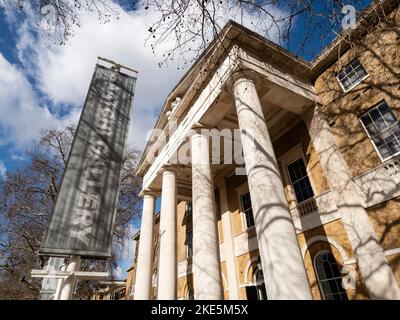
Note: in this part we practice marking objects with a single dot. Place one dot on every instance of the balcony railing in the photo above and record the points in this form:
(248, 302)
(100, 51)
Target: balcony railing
(251, 232)
(393, 168)
(307, 207)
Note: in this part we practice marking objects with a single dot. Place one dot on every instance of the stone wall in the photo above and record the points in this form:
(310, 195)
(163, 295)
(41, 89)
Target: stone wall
(379, 53)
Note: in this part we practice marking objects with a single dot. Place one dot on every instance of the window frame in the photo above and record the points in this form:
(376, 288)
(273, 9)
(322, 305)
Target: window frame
(188, 293)
(246, 227)
(371, 138)
(317, 275)
(288, 158)
(190, 231)
(355, 84)
(291, 183)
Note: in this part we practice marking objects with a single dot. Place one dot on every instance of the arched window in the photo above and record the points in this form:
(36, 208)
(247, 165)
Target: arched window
(190, 293)
(329, 276)
(257, 291)
(258, 278)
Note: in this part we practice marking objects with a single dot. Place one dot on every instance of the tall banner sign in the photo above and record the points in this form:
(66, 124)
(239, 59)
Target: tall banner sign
(84, 212)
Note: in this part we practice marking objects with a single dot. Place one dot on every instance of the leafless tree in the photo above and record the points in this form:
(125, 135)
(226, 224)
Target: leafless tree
(185, 28)
(57, 18)
(304, 27)
(27, 196)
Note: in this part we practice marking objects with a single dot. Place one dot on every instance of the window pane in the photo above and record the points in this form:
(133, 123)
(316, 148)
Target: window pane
(341, 75)
(329, 277)
(328, 270)
(387, 114)
(249, 218)
(353, 77)
(349, 69)
(384, 129)
(378, 120)
(355, 63)
(326, 290)
(361, 73)
(366, 120)
(394, 146)
(300, 181)
(384, 151)
(372, 130)
(251, 293)
(246, 201)
(369, 124)
(352, 74)
(247, 209)
(346, 83)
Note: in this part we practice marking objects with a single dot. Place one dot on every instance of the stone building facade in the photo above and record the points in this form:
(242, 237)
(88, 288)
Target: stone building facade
(312, 210)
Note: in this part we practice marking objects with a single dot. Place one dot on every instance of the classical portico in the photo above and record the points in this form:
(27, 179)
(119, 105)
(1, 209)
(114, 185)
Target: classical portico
(232, 90)
(230, 101)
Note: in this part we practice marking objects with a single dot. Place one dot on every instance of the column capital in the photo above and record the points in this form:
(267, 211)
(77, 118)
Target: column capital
(198, 127)
(242, 75)
(147, 192)
(168, 168)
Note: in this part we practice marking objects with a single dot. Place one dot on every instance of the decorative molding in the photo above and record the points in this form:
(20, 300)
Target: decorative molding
(326, 212)
(246, 271)
(379, 184)
(328, 239)
(197, 110)
(393, 169)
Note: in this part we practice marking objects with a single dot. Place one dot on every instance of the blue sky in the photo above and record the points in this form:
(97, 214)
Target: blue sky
(43, 85)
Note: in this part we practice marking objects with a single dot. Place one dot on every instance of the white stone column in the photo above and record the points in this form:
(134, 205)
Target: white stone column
(69, 284)
(282, 262)
(206, 261)
(144, 269)
(376, 272)
(229, 241)
(167, 266)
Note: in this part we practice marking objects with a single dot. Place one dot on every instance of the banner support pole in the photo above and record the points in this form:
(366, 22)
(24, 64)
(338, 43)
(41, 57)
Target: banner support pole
(60, 284)
(68, 285)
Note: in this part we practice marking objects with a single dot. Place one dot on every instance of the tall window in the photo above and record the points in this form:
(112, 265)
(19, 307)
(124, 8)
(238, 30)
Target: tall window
(329, 277)
(189, 243)
(190, 293)
(188, 210)
(300, 181)
(383, 129)
(352, 75)
(247, 209)
(260, 285)
(257, 291)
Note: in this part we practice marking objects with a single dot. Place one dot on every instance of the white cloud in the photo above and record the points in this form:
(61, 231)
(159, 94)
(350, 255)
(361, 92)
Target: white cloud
(17, 157)
(21, 116)
(3, 169)
(63, 73)
(126, 253)
(129, 245)
(118, 273)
